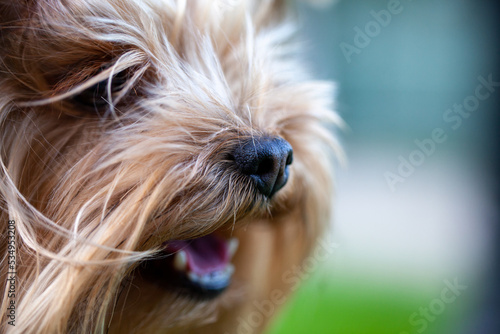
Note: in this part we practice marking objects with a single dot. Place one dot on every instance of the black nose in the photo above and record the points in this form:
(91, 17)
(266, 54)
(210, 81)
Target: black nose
(266, 161)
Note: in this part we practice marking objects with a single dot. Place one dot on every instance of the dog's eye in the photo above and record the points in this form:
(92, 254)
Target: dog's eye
(97, 96)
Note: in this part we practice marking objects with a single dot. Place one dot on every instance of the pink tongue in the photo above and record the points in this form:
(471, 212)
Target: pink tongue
(204, 255)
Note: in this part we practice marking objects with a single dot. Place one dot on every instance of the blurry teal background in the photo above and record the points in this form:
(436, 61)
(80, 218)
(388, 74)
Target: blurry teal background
(399, 249)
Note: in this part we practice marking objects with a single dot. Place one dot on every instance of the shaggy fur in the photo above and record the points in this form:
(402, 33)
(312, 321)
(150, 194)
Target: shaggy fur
(117, 118)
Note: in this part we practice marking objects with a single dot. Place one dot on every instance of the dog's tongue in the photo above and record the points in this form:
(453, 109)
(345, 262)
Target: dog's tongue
(204, 255)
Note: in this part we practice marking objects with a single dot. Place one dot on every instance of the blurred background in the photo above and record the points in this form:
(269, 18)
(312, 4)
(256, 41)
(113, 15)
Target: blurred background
(417, 204)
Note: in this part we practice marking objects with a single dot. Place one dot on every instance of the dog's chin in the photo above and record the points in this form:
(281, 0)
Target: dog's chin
(198, 268)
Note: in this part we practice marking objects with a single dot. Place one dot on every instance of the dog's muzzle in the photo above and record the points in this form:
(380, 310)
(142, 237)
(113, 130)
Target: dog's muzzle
(202, 266)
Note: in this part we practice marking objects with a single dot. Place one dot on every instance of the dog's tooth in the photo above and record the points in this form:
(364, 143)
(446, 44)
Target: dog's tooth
(180, 261)
(193, 277)
(233, 246)
(206, 279)
(229, 270)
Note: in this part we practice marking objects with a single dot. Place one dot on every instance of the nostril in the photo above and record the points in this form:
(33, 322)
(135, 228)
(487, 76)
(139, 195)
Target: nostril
(289, 158)
(266, 161)
(265, 166)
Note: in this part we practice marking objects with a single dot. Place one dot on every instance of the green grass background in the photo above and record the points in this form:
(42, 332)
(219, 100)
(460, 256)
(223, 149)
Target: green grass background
(326, 304)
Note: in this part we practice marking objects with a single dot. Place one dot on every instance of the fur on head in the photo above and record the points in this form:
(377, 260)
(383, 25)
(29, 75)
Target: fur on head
(118, 123)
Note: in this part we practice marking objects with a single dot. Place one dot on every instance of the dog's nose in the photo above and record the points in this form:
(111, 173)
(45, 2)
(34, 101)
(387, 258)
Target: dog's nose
(266, 161)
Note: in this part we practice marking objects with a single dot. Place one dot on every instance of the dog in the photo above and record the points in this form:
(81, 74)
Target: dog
(163, 164)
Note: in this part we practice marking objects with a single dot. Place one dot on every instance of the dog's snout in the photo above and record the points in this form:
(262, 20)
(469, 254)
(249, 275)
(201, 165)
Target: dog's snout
(266, 161)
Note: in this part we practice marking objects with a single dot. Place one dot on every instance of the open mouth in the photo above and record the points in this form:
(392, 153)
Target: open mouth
(201, 267)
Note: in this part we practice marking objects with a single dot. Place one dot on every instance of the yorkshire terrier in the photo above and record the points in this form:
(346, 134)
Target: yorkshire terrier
(142, 141)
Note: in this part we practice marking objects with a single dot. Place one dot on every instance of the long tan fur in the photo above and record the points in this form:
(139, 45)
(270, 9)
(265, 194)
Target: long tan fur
(94, 193)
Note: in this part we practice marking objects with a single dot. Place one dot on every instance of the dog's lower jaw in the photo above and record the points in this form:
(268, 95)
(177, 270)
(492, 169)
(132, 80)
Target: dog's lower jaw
(260, 263)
